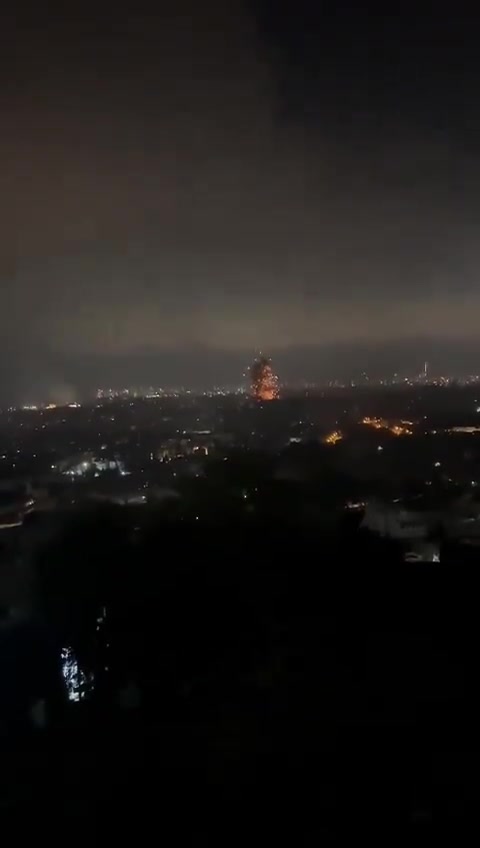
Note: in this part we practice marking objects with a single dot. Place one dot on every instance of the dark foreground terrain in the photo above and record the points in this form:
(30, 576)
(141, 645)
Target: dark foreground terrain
(251, 685)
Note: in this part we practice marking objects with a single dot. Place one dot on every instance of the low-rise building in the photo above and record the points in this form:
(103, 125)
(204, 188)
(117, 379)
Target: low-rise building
(399, 519)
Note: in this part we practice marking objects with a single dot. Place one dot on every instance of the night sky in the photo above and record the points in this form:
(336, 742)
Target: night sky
(233, 176)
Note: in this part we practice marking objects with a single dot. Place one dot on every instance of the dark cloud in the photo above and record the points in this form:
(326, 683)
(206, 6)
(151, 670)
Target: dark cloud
(236, 175)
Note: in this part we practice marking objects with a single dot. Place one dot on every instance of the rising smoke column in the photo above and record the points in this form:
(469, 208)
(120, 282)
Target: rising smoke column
(264, 383)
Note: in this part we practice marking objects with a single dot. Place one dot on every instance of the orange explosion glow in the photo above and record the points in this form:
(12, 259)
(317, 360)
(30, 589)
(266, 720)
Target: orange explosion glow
(264, 384)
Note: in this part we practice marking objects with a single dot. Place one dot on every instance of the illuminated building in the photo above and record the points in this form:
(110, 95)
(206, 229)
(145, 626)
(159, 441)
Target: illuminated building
(264, 383)
(83, 464)
(77, 683)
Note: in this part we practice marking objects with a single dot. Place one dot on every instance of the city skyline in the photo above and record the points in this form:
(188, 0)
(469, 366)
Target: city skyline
(203, 369)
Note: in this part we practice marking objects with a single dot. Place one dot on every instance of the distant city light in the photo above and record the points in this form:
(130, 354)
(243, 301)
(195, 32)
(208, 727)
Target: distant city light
(403, 428)
(333, 438)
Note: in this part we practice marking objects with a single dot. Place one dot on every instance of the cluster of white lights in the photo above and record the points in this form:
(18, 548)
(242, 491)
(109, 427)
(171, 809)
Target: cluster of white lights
(77, 683)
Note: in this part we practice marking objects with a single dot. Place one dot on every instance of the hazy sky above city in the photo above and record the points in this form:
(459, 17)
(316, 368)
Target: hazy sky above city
(236, 175)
